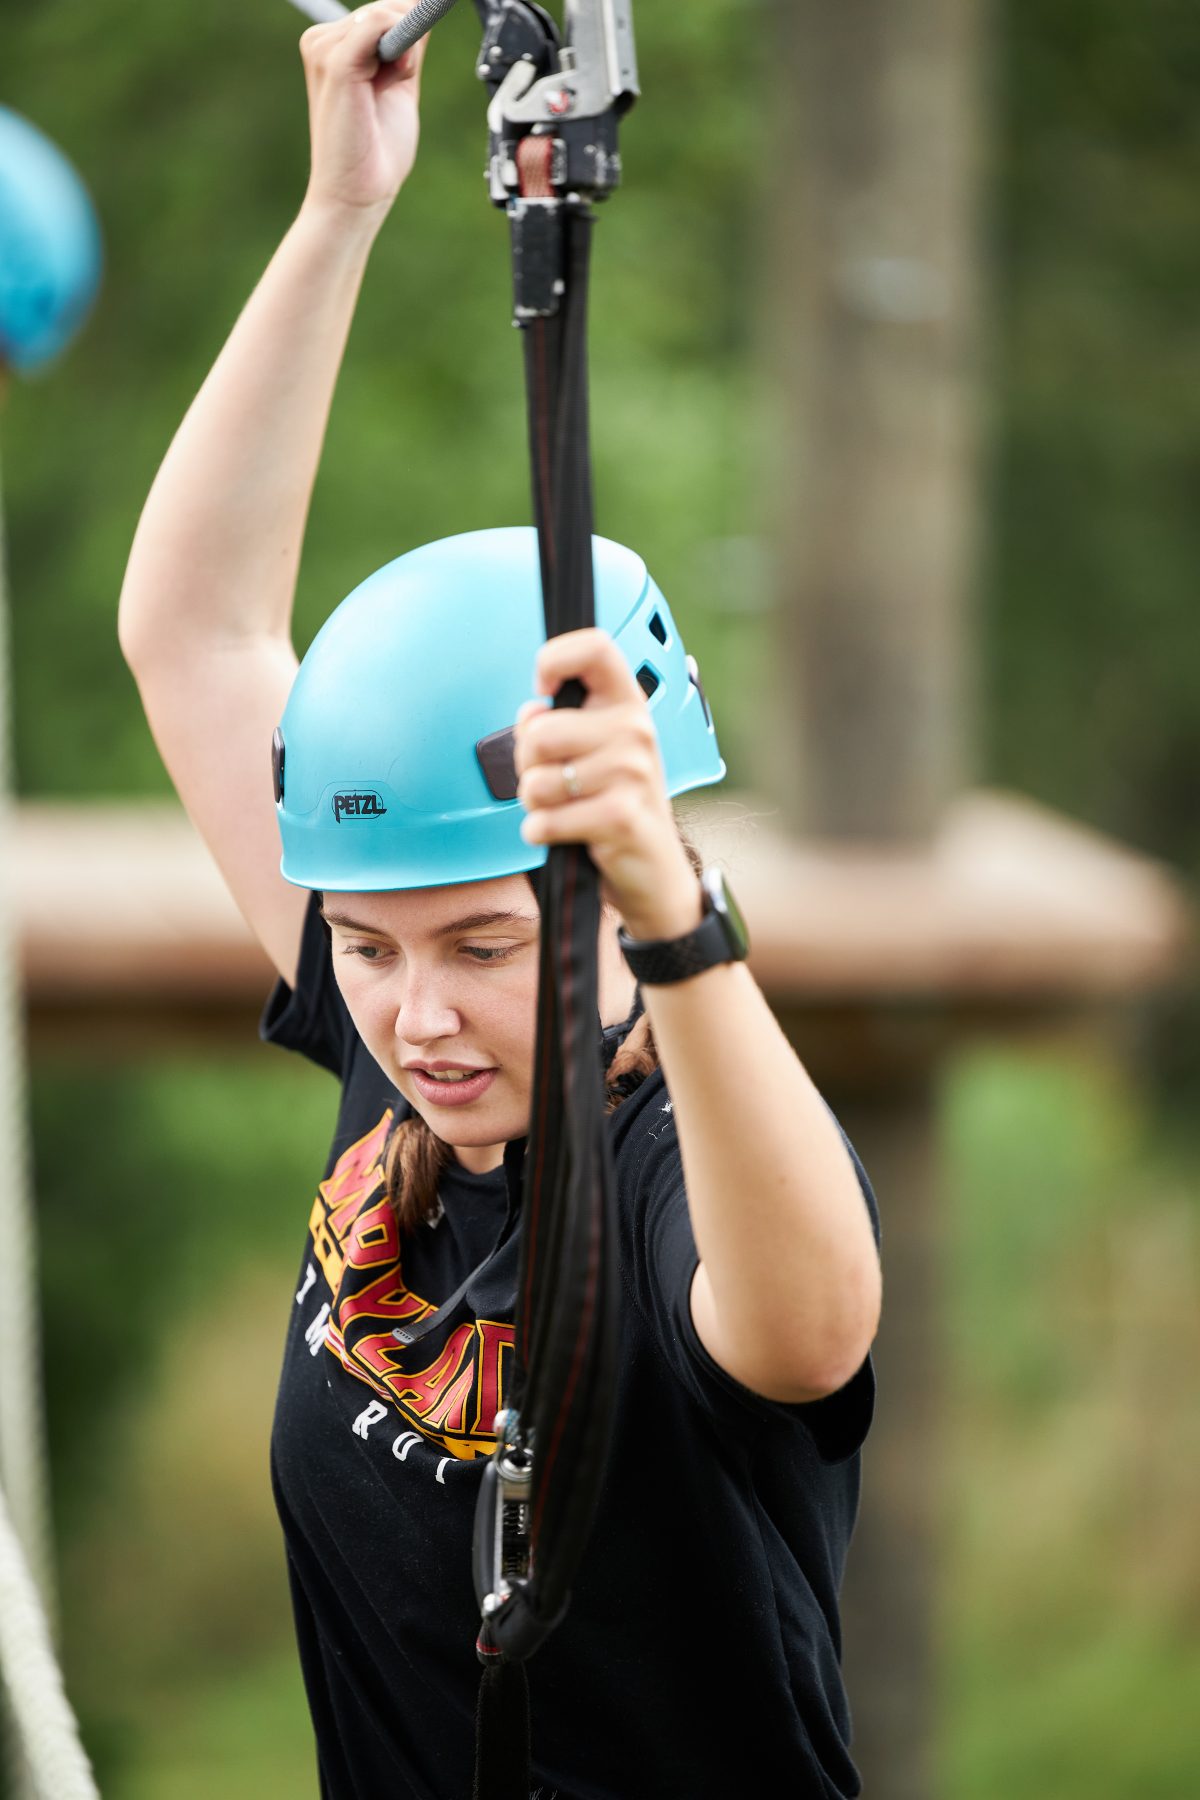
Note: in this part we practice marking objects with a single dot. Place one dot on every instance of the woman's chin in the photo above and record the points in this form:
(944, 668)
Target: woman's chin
(479, 1133)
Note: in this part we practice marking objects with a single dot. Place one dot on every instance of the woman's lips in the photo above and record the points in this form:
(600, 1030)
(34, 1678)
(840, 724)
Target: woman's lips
(452, 1093)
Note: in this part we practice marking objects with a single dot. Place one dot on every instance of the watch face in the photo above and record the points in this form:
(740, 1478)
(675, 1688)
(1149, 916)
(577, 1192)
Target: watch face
(722, 902)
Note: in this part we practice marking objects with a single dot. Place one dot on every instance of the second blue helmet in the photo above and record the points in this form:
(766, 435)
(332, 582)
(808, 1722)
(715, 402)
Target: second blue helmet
(49, 246)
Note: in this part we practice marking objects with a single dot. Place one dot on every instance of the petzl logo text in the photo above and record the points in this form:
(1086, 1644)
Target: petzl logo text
(357, 806)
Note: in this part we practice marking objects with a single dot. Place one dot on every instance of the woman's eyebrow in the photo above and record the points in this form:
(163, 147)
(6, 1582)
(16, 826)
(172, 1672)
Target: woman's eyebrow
(471, 922)
(349, 924)
(476, 921)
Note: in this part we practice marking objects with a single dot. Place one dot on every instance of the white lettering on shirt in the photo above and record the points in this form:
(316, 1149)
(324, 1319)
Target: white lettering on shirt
(310, 1276)
(441, 1476)
(370, 1415)
(404, 1444)
(314, 1337)
(665, 1118)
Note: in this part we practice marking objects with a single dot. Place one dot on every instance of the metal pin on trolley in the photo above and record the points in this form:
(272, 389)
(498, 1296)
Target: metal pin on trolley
(568, 96)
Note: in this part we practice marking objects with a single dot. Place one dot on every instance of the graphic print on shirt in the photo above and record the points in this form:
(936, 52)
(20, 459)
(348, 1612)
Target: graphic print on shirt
(451, 1401)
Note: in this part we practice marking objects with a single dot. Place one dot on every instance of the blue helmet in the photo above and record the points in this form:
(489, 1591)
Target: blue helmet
(393, 762)
(49, 246)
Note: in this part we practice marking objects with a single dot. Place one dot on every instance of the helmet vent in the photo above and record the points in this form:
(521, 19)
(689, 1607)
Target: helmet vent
(647, 680)
(657, 628)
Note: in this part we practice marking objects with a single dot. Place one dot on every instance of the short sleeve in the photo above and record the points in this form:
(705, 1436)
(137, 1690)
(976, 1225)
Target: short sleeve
(311, 1018)
(837, 1423)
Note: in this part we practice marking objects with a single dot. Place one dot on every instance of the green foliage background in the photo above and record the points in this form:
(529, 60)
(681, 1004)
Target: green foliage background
(1095, 533)
(173, 1199)
(197, 157)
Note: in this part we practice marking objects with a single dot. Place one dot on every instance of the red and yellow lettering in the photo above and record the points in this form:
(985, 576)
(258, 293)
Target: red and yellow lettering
(384, 1298)
(450, 1411)
(325, 1245)
(423, 1391)
(377, 1351)
(374, 1237)
(494, 1340)
(355, 1177)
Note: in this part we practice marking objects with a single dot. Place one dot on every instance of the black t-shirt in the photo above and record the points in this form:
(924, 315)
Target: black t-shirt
(699, 1656)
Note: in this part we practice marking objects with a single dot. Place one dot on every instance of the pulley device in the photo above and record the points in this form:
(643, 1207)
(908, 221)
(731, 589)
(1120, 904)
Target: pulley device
(556, 99)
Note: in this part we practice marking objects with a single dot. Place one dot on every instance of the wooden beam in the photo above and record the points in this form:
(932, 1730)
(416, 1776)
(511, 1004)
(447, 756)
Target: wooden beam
(1009, 906)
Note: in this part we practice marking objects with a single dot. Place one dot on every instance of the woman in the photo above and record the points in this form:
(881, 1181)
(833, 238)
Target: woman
(699, 1653)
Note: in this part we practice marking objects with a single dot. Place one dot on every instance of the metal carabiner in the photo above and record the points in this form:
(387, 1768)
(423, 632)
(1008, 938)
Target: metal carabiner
(500, 1550)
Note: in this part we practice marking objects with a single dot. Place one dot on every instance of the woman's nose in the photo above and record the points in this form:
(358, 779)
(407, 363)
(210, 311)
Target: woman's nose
(426, 1012)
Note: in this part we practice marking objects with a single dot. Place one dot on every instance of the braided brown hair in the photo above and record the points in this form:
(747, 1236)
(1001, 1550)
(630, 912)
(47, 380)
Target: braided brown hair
(414, 1157)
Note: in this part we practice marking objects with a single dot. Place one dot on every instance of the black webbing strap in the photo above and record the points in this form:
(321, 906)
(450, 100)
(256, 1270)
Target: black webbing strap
(566, 1319)
(502, 1759)
(565, 1324)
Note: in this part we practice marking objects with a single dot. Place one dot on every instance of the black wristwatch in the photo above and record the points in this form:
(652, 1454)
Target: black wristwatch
(720, 937)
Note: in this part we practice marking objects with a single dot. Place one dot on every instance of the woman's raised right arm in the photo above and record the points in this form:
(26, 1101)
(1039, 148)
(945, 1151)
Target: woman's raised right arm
(205, 613)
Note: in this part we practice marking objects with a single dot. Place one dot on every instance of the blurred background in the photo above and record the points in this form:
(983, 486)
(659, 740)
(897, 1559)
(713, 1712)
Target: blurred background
(1061, 1601)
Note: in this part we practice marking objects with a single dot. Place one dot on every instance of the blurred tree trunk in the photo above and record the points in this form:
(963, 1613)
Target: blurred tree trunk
(872, 313)
(871, 354)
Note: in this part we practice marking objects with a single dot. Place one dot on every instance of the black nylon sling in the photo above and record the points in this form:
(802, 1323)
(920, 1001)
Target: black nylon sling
(566, 1318)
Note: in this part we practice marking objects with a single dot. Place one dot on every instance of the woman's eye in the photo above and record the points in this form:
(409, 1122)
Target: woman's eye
(365, 952)
(490, 953)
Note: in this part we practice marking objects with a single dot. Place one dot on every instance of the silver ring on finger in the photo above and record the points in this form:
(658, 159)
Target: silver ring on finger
(570, 775)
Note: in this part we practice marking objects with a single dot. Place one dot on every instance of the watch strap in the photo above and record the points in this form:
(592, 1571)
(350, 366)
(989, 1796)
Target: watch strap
(658, 962)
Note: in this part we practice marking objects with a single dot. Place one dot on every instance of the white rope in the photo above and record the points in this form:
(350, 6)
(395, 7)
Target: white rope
(22, 1440)
(57, 1763)
(53, 1758)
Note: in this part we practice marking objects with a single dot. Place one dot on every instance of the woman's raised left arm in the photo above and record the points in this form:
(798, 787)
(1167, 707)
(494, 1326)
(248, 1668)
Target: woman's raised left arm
(787, 1294)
